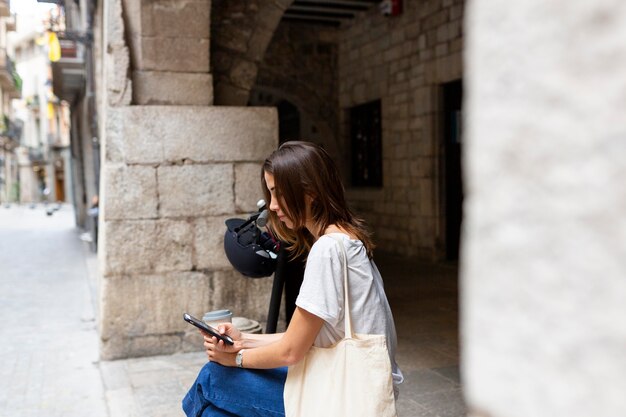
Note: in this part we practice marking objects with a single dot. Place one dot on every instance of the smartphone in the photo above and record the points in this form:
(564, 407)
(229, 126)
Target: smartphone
(207, 329)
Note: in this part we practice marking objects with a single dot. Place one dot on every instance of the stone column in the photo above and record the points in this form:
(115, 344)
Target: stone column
(544, 244)
(171, 175)
(169, 45)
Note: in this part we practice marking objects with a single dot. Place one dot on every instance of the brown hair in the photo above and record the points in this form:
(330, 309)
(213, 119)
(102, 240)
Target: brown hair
(303, 169)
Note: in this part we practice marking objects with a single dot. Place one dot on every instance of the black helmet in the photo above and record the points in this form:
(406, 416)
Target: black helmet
(250, 251)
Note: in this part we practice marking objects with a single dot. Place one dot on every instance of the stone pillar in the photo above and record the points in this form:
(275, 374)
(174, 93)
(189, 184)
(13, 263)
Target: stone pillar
(169, 44)
(171, 175)
(544, 244)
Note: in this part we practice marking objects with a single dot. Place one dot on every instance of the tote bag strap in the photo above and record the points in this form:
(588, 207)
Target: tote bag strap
(347, 319)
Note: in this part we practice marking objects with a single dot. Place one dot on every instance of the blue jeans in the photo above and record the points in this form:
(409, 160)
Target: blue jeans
(221, 391)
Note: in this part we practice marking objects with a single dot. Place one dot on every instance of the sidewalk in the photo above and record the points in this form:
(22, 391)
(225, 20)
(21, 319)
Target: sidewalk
(49, 363)
(49, 350)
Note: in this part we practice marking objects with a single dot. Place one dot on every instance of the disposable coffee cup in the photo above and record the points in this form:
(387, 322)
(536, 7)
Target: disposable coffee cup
(213, 318)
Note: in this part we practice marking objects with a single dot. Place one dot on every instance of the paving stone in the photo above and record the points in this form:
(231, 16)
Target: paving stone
(451, 372)
(448, 403)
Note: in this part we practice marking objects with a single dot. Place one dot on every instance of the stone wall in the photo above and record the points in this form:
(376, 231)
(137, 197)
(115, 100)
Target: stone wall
(403, 61)
(169, 51)
(241, 32)
(544, 256)
(171, 175)
(300, 66)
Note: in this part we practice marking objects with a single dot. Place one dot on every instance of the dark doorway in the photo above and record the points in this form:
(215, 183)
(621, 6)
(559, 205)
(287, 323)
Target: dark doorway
(288, 121)
(452, 136)
(367, 149)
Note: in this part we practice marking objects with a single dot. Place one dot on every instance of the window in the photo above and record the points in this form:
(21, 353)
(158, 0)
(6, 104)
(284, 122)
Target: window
(366, 140)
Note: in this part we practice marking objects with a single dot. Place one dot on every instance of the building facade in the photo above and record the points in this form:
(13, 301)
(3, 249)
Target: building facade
(45, 167)
(10, 131)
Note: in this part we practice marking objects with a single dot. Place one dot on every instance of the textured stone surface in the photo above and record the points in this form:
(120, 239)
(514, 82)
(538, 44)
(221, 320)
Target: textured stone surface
(209, 243)
(151, 310)
(169, 35)
(172, 88)
(117, 58)
(300, 67)
(133, 246)
(404, 65)
(241, 33)
(154, 134)
(195, 190)
(247, 186)
(245, 297)
(156, 53)
(176, 18)
(544, 245)
(131, 192)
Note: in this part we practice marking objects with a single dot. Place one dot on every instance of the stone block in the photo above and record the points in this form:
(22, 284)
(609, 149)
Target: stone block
(243, 73)
(192, 341)
(248, 188)
(119, 87)
(139, 141)
(175, 88)
(247, 297)
(130, 191)
(195, 190)
(427, 198)
(146, 246)
(158, 53)
(257, 45)
(209, 243)
(176, 18)
(424, 100)
(227, 94)
(151, 345)
(151, 304)
(153, 134)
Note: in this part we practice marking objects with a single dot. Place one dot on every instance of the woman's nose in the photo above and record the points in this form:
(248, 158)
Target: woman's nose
(273, 204)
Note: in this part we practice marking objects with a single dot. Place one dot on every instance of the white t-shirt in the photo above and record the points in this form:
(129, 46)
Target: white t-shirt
(322, 294)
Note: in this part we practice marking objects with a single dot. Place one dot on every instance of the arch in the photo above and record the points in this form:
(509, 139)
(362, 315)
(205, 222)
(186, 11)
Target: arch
(262, 95)
(240, 34)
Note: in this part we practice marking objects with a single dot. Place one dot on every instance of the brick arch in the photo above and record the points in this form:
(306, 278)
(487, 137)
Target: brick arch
(240, 34)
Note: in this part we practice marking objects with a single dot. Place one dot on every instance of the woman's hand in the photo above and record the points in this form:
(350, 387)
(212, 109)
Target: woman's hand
(220, 352)
(229, 330)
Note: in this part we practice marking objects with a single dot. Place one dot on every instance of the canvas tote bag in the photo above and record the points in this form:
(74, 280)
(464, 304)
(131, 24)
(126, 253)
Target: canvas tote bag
(349, 379)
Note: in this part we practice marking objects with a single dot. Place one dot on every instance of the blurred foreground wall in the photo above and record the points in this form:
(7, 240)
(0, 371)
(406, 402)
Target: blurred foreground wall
(544, 244)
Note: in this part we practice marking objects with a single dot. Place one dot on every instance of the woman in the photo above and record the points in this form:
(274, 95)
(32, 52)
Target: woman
(307, 205)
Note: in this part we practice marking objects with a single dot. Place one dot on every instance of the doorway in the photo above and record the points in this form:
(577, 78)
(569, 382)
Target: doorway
(453, 186)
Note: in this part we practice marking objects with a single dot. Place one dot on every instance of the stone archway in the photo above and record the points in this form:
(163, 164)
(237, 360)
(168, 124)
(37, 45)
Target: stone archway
(240, 33)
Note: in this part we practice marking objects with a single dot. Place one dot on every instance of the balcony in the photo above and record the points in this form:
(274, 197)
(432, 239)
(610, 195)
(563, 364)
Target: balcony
(57, 141)
(68, 73)
(10, 81)
(10, 133)
(36, 155)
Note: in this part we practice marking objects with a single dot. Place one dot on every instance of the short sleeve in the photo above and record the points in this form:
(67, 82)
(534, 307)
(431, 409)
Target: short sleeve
(321, 292)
